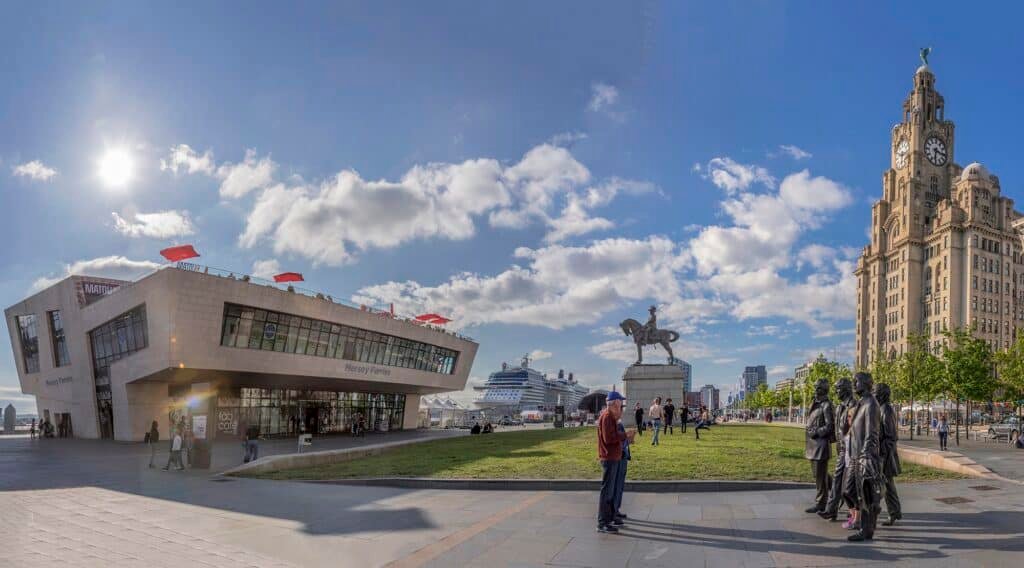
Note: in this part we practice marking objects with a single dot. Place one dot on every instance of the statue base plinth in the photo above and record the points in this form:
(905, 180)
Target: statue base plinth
(642, 383)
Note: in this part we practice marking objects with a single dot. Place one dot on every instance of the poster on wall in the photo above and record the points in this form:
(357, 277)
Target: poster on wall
(88, 290)
(199, 427)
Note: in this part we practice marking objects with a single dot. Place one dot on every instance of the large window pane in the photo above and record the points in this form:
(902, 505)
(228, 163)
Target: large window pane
(28, 329)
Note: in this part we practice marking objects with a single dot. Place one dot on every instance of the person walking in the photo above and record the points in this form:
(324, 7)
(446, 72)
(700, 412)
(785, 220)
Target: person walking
(620, 480)
(609, 452)
(638, 419)
(175, 457)
(654, 413)
(670, 413)
(703, 421)
(32, 430)
(252, 445)
(152, 437)
(684, 416)
(887, 437)
(943, 429)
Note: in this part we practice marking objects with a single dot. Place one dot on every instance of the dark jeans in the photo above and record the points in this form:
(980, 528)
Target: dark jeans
(252, 451)
(682, 425)
(606, 501)
(620, 484)
(700, 425)
(821, 482)
(943, 438)
(668, 427)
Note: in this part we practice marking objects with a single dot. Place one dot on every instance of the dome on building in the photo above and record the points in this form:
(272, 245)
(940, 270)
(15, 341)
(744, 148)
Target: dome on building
(974, 171)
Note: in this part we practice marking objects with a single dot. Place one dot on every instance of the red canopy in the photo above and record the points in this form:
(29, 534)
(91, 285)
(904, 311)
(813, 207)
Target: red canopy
(432, 318)
(182, 252)
(288, 277)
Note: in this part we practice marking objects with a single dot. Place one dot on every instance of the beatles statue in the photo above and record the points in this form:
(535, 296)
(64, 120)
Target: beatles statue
(844, 390)
(819, 432)
(890, 458)
(649, 334)
(864, 469)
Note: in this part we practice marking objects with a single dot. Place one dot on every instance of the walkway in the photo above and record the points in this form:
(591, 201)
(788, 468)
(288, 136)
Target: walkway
(998, 456)
(86, 504)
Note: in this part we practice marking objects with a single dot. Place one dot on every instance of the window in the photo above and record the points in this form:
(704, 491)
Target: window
(258, 329)
(60, 346)
(112, 341)
(28, 330)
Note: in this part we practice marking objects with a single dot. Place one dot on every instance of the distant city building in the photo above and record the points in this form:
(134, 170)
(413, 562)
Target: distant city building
(784, 384)
(10, 419)
(754, 376)
(687, 373)
(693, 399)
(709, 397)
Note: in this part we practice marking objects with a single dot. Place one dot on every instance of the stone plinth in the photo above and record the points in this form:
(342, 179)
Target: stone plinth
(641, 383)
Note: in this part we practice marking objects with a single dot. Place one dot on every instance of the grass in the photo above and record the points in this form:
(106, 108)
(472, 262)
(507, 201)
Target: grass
(752, 452)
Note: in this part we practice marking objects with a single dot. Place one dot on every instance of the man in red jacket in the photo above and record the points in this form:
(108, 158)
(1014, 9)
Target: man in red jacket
(609, 451)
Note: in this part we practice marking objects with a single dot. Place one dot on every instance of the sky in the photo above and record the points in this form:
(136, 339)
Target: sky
(536, 171)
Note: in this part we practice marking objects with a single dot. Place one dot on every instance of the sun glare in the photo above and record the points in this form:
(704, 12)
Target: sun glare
(116, 167)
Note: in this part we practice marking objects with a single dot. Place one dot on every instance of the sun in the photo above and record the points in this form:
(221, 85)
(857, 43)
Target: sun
(116, 167)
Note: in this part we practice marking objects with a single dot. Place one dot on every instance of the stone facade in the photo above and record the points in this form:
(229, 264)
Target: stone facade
(945, 250)
(184, 323)
(642, 383)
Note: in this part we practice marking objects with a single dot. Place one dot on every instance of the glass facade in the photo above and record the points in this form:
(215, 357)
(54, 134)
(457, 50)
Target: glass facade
(253, 328)
(286, 412)
(28, 329)
(111, 341)
(60, 346)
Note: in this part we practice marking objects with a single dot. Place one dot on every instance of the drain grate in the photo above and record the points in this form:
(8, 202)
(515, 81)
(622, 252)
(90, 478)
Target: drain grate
(953, 500)
(984, 488)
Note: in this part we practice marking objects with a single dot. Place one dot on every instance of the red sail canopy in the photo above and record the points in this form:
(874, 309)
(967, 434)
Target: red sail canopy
(288, 277)
(182, 252)
(432, 318)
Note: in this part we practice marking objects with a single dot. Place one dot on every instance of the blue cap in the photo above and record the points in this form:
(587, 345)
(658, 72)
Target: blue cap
(615, 395)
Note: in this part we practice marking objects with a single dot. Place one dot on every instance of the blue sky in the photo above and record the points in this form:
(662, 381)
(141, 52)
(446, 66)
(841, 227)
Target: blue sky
(539, 171)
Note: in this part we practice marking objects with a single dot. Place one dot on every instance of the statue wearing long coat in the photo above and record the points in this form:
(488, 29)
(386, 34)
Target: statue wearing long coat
(866, 461)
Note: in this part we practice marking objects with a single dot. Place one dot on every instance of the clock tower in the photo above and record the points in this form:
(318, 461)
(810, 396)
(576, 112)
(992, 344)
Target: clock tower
(945, 250)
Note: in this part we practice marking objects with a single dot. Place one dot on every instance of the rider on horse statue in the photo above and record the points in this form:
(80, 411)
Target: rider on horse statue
(651, 326)
(649, 334)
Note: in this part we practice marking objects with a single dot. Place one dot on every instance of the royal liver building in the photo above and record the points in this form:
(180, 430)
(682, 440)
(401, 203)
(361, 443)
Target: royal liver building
(944, 249)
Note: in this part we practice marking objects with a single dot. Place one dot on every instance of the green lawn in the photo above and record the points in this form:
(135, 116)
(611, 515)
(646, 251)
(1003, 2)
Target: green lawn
(726, 452)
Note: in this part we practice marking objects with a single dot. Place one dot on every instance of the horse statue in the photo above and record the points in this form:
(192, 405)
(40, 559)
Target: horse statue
(642, 336)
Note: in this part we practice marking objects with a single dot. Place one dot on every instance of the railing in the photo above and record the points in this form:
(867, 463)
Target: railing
(384, 312)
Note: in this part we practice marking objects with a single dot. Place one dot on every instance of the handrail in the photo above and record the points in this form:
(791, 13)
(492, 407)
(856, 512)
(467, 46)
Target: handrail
(287, 287)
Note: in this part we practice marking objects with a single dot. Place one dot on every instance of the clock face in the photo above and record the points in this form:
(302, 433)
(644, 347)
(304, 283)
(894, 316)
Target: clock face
(901, 153)
(935, 151)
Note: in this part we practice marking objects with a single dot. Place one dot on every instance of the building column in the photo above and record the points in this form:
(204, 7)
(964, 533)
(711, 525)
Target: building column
(411, 417)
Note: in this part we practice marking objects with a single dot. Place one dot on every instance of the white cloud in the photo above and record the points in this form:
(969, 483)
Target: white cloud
(34, 170)
(769, 330)
(266, 269)
(602, 96)
(158, 225)
(184, 158)
(724, 360)
(795, 152)
(816, 255)
(834, 332)
(539, 355)
(732, 176)
(559, 287)
(624, 350)
(117, 267)
(245, 176)
(567, 138)
(779, 370)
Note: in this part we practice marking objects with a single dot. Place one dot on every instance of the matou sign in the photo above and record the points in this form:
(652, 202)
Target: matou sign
(89, 290)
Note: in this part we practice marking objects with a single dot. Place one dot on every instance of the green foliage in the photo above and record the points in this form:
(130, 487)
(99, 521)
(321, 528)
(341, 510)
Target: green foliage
(822, 368)
(918, 371)
(967, 364)
(1010, 364)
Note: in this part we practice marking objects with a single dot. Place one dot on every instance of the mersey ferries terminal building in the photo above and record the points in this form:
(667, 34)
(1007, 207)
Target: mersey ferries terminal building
(104, 358)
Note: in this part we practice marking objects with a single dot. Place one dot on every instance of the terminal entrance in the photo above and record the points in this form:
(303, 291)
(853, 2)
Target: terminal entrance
(279, 412)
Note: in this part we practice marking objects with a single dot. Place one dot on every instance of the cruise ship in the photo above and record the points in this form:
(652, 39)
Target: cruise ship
(514, 390)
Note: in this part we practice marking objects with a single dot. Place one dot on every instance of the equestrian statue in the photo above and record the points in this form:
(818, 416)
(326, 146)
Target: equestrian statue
(649, 334)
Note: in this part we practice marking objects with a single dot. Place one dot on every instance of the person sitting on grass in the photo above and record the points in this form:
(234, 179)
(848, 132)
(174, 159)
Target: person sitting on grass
(488, 428)
(475, 429)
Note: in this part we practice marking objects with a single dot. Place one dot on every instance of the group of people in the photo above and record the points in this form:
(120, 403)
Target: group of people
(660, 418)
(180, 444)
(45, 429)
(477, 429)
(864, 431)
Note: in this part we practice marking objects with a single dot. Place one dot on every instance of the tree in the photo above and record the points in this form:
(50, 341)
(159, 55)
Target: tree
(1010, 364)
(917, 374)
(967, 362)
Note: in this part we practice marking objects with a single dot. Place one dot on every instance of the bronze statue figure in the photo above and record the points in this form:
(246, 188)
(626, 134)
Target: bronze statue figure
(649, 334)
(864, 467)
(888, 437)
(844, 390)
(819, 431)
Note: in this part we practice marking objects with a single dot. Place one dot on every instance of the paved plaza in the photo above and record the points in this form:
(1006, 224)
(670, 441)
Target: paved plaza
(85, 503)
